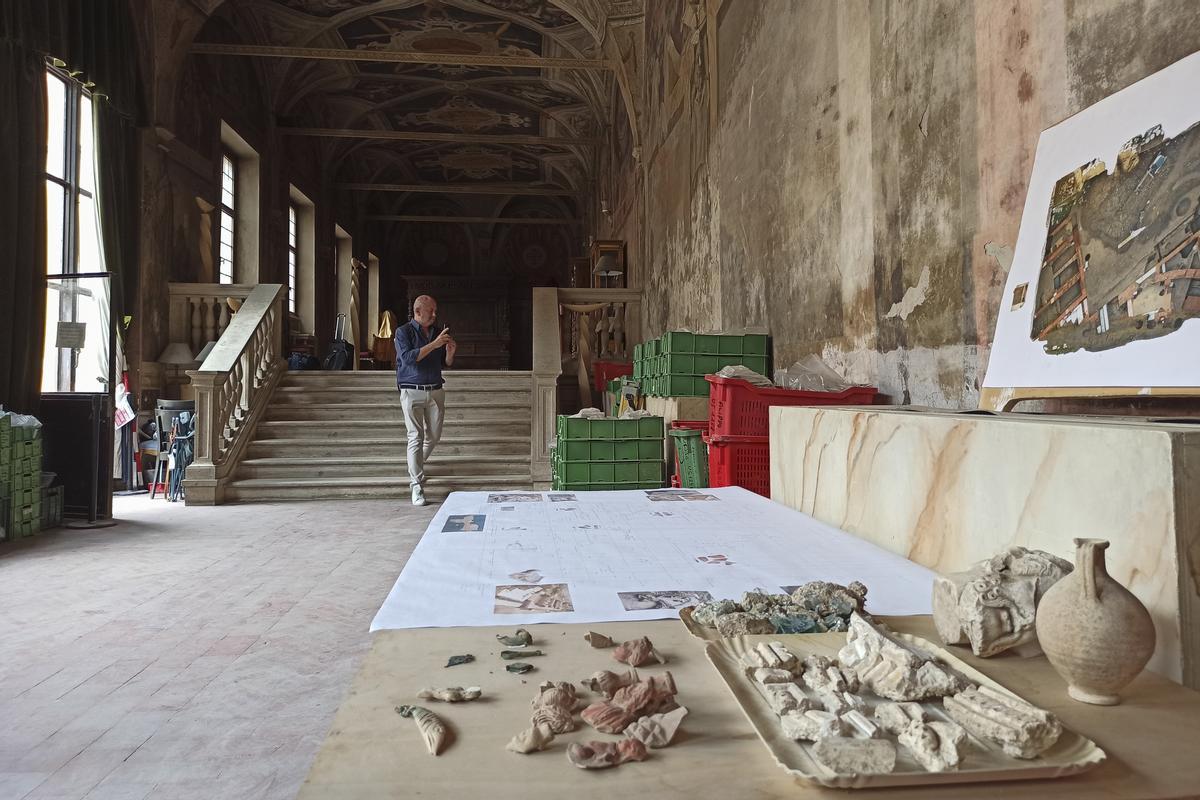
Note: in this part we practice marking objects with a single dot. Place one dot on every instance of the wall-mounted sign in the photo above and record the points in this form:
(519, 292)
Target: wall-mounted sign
(71, 335)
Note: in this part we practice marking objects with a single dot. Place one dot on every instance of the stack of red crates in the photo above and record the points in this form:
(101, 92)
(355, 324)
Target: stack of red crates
(739, 451)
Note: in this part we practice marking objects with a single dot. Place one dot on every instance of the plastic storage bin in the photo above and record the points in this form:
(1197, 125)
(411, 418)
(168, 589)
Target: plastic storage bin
(739, 408)
(740, 461)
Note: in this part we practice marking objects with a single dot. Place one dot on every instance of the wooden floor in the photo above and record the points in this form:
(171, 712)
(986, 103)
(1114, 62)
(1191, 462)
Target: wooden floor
(188, 652)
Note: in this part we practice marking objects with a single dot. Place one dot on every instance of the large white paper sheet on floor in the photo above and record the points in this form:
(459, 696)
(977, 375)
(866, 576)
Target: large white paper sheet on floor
(611, 550)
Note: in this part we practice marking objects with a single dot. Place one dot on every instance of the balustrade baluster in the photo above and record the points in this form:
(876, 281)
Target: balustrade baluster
(194, 327)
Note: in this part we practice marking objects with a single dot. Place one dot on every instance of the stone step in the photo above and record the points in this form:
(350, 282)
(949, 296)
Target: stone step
(454, 379)
(392, 411)
(394, 445)
(359, 429)
(394, 467)
(306, 395)
(436, 488)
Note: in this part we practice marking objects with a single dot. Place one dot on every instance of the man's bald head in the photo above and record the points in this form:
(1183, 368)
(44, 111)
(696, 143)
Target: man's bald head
(425, 310)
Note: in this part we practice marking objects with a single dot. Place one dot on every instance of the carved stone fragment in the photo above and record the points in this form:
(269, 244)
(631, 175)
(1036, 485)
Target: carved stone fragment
(822, 675)
(860, 724)
(774, 655)
(739, 623)
(847, 756)
(892, 669)
(554, 706)
(1021, 729)
(993, 604)
(522, 638)
(598, 755)
(638, 652)
(531, 739)
(785, 697)
(657, 730)
(895, 717)
(811, 725)
(935, 745)
(765, 675)
(606, 717)
(451, 694)
(597, 640)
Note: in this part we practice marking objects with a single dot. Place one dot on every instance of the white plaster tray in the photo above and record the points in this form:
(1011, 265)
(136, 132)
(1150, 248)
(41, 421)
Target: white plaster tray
(983, 761)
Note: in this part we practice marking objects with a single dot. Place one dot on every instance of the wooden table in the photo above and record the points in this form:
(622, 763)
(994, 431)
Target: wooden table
(1152, 739)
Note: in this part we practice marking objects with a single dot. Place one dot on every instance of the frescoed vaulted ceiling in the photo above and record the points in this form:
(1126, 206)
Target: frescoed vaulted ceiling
(538, 104)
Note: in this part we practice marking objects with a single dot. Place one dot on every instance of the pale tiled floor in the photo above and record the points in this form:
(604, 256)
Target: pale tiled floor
(188, 652)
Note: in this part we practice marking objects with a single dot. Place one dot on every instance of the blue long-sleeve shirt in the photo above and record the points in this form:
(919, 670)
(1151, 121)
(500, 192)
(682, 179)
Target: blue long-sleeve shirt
(410, 338)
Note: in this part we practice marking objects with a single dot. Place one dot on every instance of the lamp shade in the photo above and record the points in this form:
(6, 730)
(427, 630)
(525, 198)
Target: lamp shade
(606, 266)
(177, 353)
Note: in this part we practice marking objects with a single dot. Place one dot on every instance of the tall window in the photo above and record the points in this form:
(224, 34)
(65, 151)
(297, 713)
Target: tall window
(76, 344)
(293, 256)
(228, 192)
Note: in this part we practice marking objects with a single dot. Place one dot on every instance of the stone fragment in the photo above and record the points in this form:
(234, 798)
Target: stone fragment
(454, 661)
(606, 683)
(598, 640)
(638, 652)
(774, 655)
(433, 730)
(856, 756)
(522, 638)
(706, 613)
(554, 706)
(892, 669)
(935, 745)
(822, 675)
(895, 717)
(811, 725)
(531, 739)
(599, 755)
(785, 697)
(993, 604)
(657, 730)
(451, 694)
(518, 667)
(512, 655)
(860, 724)
(764, 676)
(742, 624)
(1021, 729)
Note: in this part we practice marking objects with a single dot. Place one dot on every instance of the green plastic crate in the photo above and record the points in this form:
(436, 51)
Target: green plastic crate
(625, 429)
(626, 450)
(692, 455)
(574, 428)
(679, 364)
(603, 450)
(650, 471)
(708, 343)
(754, 344)
(601, 472)
(637, 352)
(707, 365)
(650, 449)
(650, 428)
(575, 450)
(679, 342)
(730, 345)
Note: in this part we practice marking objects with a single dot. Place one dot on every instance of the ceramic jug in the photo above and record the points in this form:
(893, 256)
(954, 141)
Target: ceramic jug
(1095, 633)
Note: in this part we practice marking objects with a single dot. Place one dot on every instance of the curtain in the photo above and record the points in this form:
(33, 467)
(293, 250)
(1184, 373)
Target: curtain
(22, 226)
(117, 200)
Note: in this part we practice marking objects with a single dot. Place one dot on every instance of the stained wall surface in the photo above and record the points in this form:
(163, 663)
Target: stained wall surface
(852, 174)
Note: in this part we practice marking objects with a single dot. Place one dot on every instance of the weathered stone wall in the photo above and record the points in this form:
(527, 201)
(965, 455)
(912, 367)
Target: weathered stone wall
(858, 183)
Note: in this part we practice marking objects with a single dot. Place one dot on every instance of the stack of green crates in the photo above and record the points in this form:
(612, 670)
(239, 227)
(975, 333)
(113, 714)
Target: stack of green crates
(608, 454)
(20, 478)
(674, 365)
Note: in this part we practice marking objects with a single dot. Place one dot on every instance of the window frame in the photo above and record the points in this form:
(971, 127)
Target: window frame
(293, 255)
(70, 183)
(226, 268)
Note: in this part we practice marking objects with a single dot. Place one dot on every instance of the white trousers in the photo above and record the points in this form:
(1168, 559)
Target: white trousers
(423, 420)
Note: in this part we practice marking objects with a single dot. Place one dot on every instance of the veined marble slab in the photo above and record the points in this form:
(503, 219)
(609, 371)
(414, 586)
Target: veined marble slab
(947, 490)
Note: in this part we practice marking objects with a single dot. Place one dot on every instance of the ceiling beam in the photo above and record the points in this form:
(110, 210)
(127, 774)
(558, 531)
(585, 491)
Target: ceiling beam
(397, 56)
(432, 136)
(459, 188)
(472, 220)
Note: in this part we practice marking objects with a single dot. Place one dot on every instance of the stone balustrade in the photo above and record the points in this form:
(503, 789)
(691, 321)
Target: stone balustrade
(199, 312)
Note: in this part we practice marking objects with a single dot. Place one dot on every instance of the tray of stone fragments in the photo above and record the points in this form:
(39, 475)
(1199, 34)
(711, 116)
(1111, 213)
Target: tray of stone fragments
(830, 708)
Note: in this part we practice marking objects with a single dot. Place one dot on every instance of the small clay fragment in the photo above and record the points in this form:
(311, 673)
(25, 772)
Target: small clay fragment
(638, 652)
(451, 694)
(432, 729)
(463, 659)
(522, 638)
(599, 755)
(531, 739)
(511, 655)
(554, 705)
(657, 730)
(606, 683)
(518, 667)
(607, 717)
(598, 640)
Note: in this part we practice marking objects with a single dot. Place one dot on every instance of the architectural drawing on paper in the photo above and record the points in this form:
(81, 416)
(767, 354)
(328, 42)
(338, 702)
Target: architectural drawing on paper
(538, 599)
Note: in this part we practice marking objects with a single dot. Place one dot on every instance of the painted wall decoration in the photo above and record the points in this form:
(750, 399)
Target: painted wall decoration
(1104, 288)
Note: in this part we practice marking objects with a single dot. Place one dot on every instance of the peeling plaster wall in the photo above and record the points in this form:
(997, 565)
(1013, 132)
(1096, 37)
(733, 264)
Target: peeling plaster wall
(859, 187)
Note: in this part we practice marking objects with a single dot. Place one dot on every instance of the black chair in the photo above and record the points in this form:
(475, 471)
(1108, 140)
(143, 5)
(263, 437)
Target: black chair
(165, 414)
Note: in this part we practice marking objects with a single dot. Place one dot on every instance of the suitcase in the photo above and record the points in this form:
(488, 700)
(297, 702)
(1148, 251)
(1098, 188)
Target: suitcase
(341, 352)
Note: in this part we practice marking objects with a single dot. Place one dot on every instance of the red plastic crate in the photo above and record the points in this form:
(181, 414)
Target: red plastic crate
(740, 461)
(739, 408)
(605, 371)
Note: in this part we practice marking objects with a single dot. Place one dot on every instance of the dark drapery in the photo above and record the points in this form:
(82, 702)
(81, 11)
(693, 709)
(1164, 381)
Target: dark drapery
(22, 225)
(97, 41)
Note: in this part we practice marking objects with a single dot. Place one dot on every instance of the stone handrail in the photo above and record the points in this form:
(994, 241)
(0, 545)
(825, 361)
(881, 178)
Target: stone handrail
(548, 357)
(233, 387)
(198, 312)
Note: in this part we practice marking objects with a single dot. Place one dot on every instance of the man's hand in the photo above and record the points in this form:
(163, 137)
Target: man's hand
(451, 349)
(442, 339)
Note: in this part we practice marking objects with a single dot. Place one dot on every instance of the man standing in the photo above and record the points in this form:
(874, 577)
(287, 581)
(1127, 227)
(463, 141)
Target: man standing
(422, 350)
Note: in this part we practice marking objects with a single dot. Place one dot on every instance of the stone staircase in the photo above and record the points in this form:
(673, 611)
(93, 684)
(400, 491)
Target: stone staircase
(333, 435)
